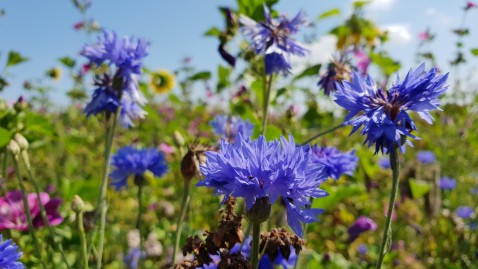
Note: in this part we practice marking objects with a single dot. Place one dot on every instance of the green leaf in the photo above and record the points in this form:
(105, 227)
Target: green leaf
(419, 188)
(67, 61)
(5, 137)
(309, 71)
(360, 4)
(204, 75)
(223, 77)
(15, 58)
(385, 63)
(474, 51)
(330, 13)
(213, 31)
(272, 132)
(40, 125)
(337, 195)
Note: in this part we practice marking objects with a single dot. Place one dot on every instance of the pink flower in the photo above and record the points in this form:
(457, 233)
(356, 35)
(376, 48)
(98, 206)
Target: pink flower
(79, 25)
(469, 5)
(166, 148)
(363, 61)
(12, 212)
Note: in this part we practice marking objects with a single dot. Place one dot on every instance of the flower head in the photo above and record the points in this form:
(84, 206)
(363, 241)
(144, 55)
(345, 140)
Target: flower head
(230, 126)
(339, 69)
(426, 157)
(162, 81)
(361, 225)
(383, 114)
(336, 163)
(447, 183)
(272, 38)
(256, 169)
(132, 161)
(384, 163)
(470, 5)
(126, 55)
(464, 212)
(9, 255)
(133, 257)
(12, 211)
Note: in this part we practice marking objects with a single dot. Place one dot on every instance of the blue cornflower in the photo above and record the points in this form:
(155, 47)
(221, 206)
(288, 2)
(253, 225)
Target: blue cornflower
(464, 212)
(336, 163)
(126, 55)
(255, 169)
(230, 126)
(9, 255)
(132, 161)
(133, 257)
(447, 183)
(384, 163)
(383, 114)
(267, 263)
(272, 38)
(426, 157)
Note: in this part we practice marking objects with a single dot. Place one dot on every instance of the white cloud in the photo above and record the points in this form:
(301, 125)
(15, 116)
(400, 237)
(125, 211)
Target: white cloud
(321, 51)
(398, 34)
(382, 4)
(431, 11)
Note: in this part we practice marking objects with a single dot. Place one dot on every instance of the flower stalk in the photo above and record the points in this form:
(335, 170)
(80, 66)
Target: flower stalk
(266, 96)
(256, 232)
(179, 223)
(387, 233)
(78, 207)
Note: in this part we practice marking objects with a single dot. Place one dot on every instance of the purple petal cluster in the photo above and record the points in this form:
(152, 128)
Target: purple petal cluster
(12, 213)
(255, 169)
(464, 212)
(121, 89)
(426, 157)
(230, 126)
(383, 114)
(130, 161)
(133, 257)
(9, 255)
(447, 183)
(272, 38)
(361, 225)
(336, 163)
(384, 163)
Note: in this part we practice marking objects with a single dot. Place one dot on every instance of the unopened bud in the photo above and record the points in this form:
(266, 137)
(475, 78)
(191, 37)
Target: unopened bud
(21, 141)
(77, 204)
(260, 211)
(13, 147)
(178, 139)
(193, 159)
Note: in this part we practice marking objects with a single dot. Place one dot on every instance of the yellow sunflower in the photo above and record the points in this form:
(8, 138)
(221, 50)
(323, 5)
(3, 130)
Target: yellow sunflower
(162, 81)
(54, 73)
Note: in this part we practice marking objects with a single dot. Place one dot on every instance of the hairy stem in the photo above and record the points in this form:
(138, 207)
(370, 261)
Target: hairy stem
(26, 161)
(81, 230)
(182, 214)
(387, 232)
(256, 232)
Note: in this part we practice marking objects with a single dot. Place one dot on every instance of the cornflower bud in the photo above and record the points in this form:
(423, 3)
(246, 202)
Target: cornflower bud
(77, 205)
(21, 141)
(13, 147)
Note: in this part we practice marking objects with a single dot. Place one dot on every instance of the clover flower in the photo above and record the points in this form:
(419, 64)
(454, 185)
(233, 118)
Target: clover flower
(230, 126)
(9, 255)
(132, 161)
(12, 211)
(426, 157)
(121, 89)
(383, 114)
(258, 170)
(447, 183)
(272, 38)
(361, 225)
(336, 163)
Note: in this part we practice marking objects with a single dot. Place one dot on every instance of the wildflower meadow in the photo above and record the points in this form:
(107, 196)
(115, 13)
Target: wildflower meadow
(300, 137)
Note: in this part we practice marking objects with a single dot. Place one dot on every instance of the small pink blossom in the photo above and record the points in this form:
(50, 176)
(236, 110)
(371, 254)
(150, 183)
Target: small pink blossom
(79, 25)
(363, 61)
(470, 5)
(166, 148)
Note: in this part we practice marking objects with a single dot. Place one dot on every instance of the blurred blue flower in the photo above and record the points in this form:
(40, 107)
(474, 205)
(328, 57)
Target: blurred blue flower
(383, 114)
(126, 55)
(230, 126)
(362, 249)
(361, 225)
(426, 157)
(384, 163)
(447, 183)
(336, 163)
(254, 169)
(132, 161)
(133, 257)
(464, 212)
(9, 255)
(266, 263)
(272, 38)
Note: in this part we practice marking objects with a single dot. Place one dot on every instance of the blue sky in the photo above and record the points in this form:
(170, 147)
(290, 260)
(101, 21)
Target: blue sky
(42, 31)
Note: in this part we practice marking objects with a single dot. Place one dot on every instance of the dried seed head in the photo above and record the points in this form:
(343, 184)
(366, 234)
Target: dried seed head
(193, 159)
(280, 240)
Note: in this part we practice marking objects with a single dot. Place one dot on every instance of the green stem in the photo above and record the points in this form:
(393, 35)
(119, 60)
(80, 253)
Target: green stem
(387, 232)
(140, 213)
(110, 134)
(323, 133)
(256, 231)
(26, 161)
(3, 177)
(27, 210)
(266, 96)
(81, 230)
(182, 214)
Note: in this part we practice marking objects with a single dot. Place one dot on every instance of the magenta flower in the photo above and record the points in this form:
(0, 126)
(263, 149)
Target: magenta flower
(470, 5)
(166, 149)
(12, 212)
(361, 225)
(363, 61)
